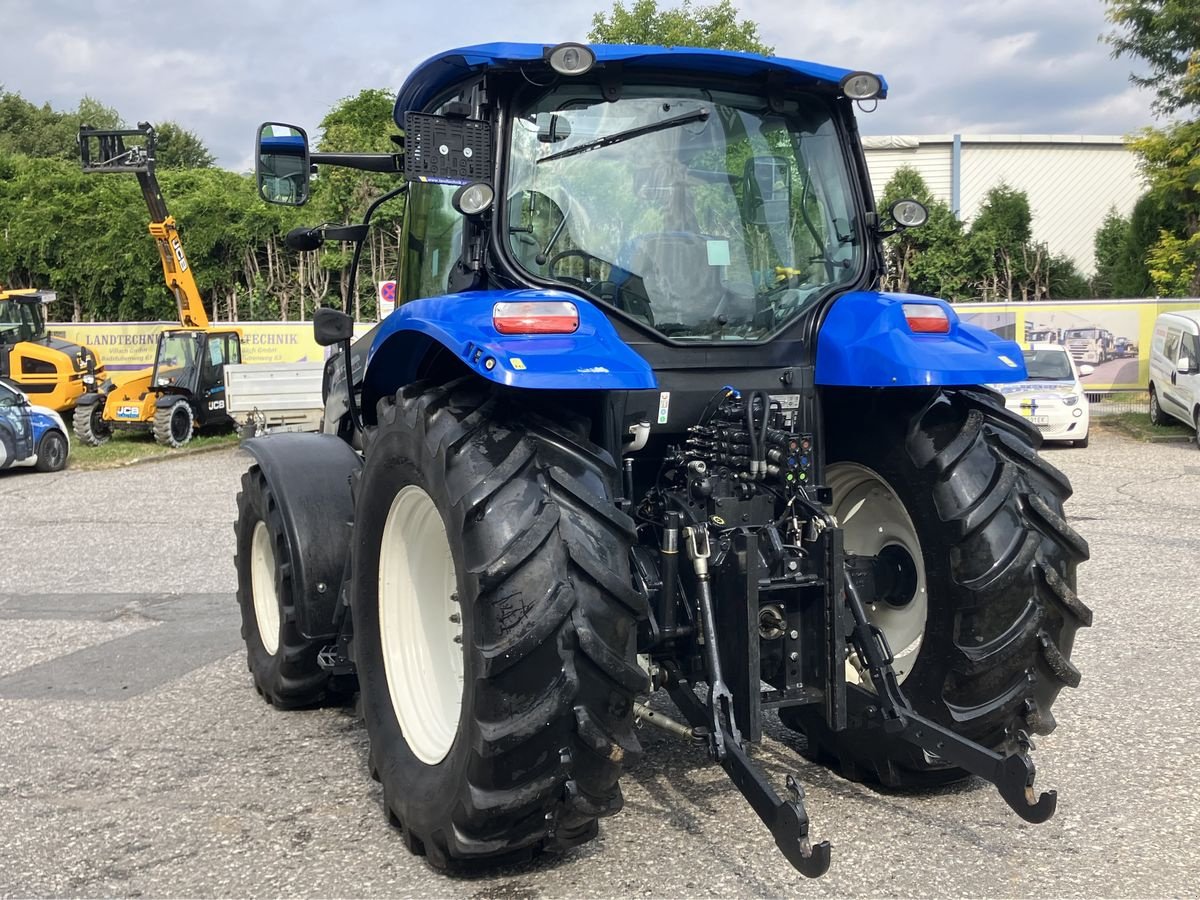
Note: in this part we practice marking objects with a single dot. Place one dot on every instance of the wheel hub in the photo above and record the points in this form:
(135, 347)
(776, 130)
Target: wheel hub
(875, 523)
(420, 627)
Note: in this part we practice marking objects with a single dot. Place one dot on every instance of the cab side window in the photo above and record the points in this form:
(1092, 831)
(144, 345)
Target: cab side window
(1171, 347)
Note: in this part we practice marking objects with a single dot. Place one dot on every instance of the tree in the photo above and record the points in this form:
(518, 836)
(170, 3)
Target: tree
(43, 132)
(1000, 237)
(1171, 161)
(1166, 35)
(362, 123)
(1109, 244)
(178, 148)
(930, 259)
(643, 22)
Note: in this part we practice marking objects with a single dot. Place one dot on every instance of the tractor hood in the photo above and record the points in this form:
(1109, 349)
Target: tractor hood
(439, 72)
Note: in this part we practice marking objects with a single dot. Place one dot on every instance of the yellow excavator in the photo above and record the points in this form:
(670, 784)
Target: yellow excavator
(185, 388)
(52, 372)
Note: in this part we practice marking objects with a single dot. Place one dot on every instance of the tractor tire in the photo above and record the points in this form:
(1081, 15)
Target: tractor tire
(998, 564)
(1156, 414)
(281, 661)
(494, 625)
(89, 425)
(174, 424)
(52, 452)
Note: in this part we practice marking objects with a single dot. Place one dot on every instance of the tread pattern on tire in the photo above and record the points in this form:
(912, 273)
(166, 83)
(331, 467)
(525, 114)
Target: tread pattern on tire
(546, 765)
(83, 426)
(162, 424)
(1011, 564)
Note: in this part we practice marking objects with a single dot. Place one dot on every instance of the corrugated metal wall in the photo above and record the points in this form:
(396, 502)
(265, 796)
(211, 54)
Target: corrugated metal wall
(1072, 180)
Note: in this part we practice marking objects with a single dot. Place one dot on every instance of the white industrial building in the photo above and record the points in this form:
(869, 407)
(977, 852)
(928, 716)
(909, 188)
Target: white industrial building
(1072, 181)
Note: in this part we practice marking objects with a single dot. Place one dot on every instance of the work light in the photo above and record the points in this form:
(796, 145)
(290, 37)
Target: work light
(862, 86)
(571, 59)
(474, 198)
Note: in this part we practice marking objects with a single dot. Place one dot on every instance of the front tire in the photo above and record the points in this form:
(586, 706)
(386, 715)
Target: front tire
(1156, 413)
(89, 424)
(52, 452)
(174, 424)
(999, 563)
(525, 753)
(282, 662)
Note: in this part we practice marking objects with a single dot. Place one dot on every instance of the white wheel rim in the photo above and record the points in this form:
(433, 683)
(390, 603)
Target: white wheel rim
(262, 586)
(872, 517)
(419, 629)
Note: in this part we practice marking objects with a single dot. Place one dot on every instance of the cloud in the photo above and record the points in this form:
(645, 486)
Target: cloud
(222, 66)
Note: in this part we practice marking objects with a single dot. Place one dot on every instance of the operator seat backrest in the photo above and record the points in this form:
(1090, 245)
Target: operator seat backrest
(681, 283)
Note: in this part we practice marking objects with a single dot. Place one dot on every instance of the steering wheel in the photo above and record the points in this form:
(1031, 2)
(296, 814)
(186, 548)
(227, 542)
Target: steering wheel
(587, 267)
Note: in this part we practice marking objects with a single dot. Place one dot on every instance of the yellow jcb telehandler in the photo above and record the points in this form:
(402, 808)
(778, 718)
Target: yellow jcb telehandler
(52, 372)
(185, 388)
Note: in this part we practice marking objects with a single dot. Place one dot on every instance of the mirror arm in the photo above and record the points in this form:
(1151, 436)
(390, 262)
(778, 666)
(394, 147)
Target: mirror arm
(367, 162)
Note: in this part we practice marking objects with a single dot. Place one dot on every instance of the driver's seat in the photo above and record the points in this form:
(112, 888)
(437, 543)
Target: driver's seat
(682, 286)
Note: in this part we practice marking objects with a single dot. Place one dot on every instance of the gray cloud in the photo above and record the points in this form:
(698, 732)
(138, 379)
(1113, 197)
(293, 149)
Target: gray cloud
(220, 67)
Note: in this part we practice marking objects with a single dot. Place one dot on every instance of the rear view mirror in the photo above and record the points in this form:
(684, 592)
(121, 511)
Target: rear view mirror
(332, 326)
(766, 190)
(1183, 366)
(1085, 371)
(552, 128)
(283, 166)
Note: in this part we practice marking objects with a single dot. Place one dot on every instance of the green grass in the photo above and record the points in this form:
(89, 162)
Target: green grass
(126, 448)
(1137, 425)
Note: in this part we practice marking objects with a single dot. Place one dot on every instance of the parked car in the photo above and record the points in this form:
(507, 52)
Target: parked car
(1175, 370)
(30, 435)
(1052, 398)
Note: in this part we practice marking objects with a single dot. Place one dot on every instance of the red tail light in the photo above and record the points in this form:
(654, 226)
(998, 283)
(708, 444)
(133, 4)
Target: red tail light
(926, 318)
(536, 317)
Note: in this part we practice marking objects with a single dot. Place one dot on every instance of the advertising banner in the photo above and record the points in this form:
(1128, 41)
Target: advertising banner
(1111, 336)
(125, 347)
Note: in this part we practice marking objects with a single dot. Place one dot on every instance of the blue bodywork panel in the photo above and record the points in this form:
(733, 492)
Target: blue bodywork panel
(436, 74)
(592, 358)
(866, 342)
(42, 420)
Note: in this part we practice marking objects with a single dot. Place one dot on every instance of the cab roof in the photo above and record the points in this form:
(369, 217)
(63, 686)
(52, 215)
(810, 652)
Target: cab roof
(437, 73)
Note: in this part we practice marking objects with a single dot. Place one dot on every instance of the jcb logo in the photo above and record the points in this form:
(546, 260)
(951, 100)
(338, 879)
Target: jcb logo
(216, 404)
(178, 248)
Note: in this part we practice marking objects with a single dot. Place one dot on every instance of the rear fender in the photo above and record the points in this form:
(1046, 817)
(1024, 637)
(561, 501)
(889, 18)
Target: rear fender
(865, 341)
(592, 358)
(309, 478)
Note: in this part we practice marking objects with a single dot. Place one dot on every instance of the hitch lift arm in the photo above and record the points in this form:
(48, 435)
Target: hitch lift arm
(1012, 775)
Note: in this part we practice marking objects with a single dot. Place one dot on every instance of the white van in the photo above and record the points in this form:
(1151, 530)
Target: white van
(1175, 370)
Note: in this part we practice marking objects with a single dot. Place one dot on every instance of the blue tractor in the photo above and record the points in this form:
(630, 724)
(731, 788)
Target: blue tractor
(642, 422)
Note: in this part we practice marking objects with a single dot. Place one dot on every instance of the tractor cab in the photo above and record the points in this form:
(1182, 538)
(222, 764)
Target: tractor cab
(22, 317)
(191, 363)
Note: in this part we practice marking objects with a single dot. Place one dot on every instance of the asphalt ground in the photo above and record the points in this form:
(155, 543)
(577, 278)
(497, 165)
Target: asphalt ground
(136, 758)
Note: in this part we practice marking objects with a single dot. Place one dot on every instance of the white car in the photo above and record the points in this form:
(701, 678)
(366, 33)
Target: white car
(1175, 370)
(1053, 397)
(30, 435)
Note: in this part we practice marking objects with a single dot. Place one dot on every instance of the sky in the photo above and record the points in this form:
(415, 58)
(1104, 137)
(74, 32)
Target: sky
(220, 67)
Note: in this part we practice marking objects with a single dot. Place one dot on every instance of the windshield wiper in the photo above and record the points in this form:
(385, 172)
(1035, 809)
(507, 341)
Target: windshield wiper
(700, 115)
